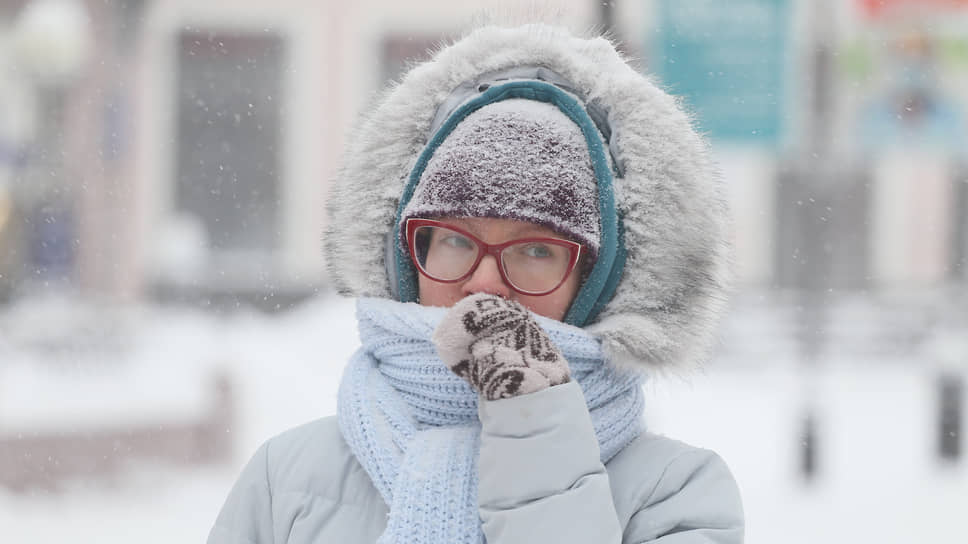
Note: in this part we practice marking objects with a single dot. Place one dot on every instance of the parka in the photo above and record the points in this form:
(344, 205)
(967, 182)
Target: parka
(541, 478)
(547, 485)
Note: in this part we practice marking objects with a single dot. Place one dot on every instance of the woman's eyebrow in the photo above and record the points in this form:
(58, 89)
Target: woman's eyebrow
(532, 231)
(460, 223)
(526, 230)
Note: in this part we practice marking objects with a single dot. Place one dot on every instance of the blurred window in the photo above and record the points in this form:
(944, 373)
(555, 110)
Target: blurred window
(229, 126)
(823, 238)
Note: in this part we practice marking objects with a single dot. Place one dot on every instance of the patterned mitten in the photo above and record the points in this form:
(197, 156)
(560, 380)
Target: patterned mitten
(497, 346)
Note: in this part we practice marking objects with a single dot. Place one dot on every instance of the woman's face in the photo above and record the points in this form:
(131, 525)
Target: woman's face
(487, 278)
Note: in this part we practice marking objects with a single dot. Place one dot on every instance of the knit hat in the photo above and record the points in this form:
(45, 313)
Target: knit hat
(513, 159)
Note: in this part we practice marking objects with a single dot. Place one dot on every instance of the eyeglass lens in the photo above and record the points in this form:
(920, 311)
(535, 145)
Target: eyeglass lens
(448, 255)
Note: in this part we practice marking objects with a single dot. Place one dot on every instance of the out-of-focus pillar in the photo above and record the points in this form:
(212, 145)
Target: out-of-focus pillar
(911, 215)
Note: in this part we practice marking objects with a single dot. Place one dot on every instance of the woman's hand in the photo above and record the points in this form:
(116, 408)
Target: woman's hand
(497, 346)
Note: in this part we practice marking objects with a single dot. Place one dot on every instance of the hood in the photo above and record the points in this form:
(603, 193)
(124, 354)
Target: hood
(672, 289)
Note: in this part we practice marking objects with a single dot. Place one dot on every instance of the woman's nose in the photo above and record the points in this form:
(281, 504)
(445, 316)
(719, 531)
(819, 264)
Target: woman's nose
(486, 279)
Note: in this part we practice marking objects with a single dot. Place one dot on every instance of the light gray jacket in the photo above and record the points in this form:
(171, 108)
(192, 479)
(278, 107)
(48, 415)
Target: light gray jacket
(541, 480)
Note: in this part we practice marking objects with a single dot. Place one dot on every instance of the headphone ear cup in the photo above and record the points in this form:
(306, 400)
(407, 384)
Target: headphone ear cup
(390, 262)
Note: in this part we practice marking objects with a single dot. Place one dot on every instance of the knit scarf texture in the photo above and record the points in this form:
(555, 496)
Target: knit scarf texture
(413, 424)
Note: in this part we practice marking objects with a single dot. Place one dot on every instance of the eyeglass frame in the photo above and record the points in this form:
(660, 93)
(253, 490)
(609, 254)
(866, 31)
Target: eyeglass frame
(494, 250)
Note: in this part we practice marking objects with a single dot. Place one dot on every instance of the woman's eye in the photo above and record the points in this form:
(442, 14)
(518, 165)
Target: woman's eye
(537, 251)
(457, 241)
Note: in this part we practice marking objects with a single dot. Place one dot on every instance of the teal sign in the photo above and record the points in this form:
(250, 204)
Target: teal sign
(728, 61)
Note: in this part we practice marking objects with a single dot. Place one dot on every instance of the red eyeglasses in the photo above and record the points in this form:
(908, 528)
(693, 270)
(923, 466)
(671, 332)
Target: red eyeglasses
(530, 266)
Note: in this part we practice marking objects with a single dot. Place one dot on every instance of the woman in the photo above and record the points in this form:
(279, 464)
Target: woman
(557, 223)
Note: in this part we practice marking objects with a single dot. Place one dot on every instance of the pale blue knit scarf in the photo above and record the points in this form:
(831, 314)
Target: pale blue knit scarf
(413, 424)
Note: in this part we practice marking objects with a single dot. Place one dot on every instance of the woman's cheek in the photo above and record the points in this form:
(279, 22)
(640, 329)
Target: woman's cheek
(434, 293)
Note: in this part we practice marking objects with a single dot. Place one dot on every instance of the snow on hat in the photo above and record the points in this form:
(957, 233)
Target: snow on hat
(514, 159)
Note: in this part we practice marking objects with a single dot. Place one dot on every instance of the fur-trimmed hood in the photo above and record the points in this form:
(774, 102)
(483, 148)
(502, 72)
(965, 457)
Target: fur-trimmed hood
(666, 306)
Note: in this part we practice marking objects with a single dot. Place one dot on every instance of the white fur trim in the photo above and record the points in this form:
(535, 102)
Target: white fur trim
(666, 307)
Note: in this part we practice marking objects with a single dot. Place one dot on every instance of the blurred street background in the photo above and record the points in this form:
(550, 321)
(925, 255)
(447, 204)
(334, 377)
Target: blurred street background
(164, 307)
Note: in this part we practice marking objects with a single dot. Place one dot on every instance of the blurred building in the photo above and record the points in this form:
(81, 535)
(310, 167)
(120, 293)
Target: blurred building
(840, 128)
(186, 155)
(245, 109)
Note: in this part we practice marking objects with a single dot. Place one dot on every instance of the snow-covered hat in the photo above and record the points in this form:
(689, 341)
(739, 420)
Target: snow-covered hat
(514, 159)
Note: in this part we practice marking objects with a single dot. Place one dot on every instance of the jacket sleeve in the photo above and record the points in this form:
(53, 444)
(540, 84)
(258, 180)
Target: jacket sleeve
(246, 516)
(542, 480)
(695, 501)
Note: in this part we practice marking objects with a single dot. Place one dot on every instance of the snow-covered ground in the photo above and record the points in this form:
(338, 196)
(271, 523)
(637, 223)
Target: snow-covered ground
(878, 479)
